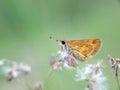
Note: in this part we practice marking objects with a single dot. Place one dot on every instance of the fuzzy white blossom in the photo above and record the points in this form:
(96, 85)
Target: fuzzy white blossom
(96, 82)
(94, 76)
(1, 62)
(62, 54)
(87, 71)
(65, 65)
(13, 69)
(65, 61)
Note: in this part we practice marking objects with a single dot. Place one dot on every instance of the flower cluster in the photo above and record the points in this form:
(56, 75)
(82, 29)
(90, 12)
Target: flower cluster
(92, 73)
(14, 70)
(94, 76)
(115, 65)
(65, 61)
(56, 65)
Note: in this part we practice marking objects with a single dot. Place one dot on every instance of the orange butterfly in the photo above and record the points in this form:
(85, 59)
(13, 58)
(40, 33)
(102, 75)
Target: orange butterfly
(81, 49)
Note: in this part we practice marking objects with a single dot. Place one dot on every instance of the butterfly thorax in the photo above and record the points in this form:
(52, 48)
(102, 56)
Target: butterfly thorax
(69, 50)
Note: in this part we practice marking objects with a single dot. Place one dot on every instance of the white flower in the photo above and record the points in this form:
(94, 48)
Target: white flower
(69, 61)
(65, 65)
(80, 75)
(62, 54)
(2, 62)
(58, 66)
(118, 65)
(5, 70)
(88, 71)
(94, 76)
(97, 82)
(25, 68)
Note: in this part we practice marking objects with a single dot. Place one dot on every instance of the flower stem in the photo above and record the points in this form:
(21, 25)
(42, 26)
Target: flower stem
(49, 75)
(117, 79)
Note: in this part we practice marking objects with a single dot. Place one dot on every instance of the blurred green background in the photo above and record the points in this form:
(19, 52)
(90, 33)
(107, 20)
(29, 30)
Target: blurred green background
(26, 25)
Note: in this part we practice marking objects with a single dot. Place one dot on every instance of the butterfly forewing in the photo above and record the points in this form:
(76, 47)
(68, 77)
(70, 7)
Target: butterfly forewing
(85, 48)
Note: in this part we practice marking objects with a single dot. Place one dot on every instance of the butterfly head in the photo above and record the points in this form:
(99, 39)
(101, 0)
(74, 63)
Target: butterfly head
(61, 42)
(63, 45)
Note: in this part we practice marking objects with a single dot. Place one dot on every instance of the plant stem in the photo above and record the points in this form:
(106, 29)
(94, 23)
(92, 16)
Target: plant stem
(117, 79)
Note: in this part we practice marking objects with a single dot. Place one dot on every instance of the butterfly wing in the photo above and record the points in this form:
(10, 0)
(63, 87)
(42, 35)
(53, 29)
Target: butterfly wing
(85, 48)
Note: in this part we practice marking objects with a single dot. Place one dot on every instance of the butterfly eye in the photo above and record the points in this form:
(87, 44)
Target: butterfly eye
(63, 42)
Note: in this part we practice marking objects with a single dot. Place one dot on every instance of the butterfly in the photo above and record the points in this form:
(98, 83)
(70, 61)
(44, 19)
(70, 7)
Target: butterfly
(81, 49)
